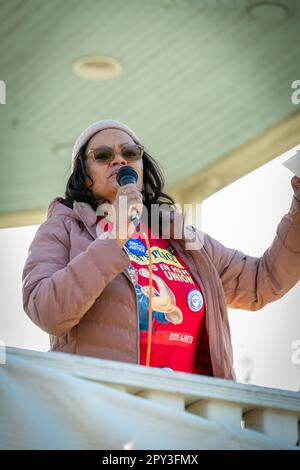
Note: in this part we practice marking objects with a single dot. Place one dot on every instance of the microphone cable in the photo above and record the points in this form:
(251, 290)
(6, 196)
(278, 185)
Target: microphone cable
(149, 337)
(128, 175)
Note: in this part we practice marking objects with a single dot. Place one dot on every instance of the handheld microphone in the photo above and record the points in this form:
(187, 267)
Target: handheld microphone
(127, 175)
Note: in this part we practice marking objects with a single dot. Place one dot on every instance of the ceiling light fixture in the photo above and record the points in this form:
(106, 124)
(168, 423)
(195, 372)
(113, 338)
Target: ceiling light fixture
(97, 67)
(268, 11)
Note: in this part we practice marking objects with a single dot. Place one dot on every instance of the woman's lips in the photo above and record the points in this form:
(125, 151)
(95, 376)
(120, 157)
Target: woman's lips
(114, 173)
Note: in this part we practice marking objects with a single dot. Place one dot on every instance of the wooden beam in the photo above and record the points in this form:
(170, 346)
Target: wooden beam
(22, 218)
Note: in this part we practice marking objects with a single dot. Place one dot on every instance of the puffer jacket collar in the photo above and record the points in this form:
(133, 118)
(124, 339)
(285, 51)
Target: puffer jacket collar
(81, 211)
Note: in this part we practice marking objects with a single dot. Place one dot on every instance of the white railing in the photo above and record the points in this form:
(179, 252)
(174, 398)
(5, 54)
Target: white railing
(271, 412)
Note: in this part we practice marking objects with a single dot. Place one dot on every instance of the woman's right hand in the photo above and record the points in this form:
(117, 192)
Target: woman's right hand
(128, 198)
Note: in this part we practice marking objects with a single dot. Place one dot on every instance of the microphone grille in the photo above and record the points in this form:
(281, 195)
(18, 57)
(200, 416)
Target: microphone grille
(127, 175)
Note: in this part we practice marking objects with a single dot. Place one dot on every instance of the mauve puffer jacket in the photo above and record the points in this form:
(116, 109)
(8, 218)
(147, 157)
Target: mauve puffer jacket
(76, 286)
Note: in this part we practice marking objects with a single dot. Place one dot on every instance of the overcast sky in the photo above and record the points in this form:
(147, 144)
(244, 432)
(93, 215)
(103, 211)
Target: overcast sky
(245, 216)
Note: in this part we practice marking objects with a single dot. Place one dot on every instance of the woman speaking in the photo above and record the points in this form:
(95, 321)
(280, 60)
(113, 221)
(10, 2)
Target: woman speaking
(110, 283)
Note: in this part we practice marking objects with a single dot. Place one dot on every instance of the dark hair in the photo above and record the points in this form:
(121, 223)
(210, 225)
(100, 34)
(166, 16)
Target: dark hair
(152, 192)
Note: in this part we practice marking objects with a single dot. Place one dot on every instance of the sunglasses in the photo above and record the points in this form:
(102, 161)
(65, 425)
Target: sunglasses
(106, 154)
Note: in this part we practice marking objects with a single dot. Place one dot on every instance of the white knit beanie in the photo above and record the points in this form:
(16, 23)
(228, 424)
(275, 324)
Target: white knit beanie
(96, 127)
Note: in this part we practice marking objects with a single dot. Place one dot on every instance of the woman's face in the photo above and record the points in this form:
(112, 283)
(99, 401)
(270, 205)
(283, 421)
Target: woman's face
(104, 174)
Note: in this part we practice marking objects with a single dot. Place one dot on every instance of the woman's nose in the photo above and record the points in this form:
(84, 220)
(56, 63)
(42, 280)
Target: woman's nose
(119, 160)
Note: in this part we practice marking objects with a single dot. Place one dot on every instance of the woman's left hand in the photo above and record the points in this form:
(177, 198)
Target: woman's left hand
(295, 182)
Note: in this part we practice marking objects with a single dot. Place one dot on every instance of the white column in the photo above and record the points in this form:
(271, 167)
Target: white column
(167, 399)
(217, 410)
(277, 424)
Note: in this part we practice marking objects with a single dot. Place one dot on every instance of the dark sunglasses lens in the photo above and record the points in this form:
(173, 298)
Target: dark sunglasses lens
(103, 156)
(132, 153)
(129, 152)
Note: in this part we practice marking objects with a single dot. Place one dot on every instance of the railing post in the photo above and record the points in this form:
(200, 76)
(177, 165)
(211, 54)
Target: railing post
(277, 424)
(168, 399)
(217, 410)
